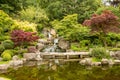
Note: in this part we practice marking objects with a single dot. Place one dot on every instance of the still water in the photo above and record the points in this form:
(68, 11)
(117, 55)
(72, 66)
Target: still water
(69, 71)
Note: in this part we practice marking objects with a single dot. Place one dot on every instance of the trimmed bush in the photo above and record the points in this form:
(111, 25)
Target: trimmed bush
(99, 53)
(8, 44)
(7, 52)
(7, 55)
(2, 48)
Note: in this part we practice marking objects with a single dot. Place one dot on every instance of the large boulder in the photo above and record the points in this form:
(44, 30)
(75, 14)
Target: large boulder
(29, 56)
(4, 67)
(53, 32)
(16, 62)
(40, 46)
(117, 54)
(15, 57)
(63, 44)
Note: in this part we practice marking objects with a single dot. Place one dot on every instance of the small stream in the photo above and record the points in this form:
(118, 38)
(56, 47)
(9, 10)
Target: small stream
(68, 71)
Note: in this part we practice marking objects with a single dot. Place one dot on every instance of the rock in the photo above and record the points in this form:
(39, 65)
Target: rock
(32, 49)
(105, 62)
(29, 56)
(4, 66)
(116, 62)
(1, 58)
(88, 61)
(30, 63)
(112, 54)
(40, 46)
(117, 54)
(38, 57)
(24, 60)
(53, 32)
(45, 32)
(16, 62)
(63, 44)
(15, 57)
(43, 41)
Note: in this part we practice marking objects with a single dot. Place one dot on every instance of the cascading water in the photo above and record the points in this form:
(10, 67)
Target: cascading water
(52, 47)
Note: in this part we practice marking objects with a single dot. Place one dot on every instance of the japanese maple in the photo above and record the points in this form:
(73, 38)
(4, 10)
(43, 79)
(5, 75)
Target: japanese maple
(20, 37)
(104, 23)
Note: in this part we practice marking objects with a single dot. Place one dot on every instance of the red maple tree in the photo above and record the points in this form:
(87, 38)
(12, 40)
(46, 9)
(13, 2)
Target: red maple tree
(20, 37)
(104, 23)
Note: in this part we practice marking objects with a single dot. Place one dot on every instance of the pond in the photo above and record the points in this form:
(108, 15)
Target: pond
(69, 71)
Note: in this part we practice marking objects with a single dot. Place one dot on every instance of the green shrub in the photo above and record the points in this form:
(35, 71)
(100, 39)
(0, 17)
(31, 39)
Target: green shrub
(115, 10)
(8, 51)
(115, 49)
(76, 47)
(8, 44)
(2, 48)
(99, 53)
(4, 37)
(7, 55)
(70, 29)
(84, 43)
(5, 22)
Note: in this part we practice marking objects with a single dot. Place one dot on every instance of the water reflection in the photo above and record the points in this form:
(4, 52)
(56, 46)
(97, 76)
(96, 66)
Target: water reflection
(67, 71)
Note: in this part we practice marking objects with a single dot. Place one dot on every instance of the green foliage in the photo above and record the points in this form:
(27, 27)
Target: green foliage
(2, 48)
(24, 25)
(84, 43)
(57, 9)
(115, 10)
(11, 6)
(8, 44)
(4, 37)
(78, 47)
(7, 55)
(5, 22)
(7, 52)
(33, 14)
(99, 53)
(70, 29)
(114, 49)
(113, 39)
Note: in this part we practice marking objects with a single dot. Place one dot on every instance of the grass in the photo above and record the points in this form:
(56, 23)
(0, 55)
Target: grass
(4, 62)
